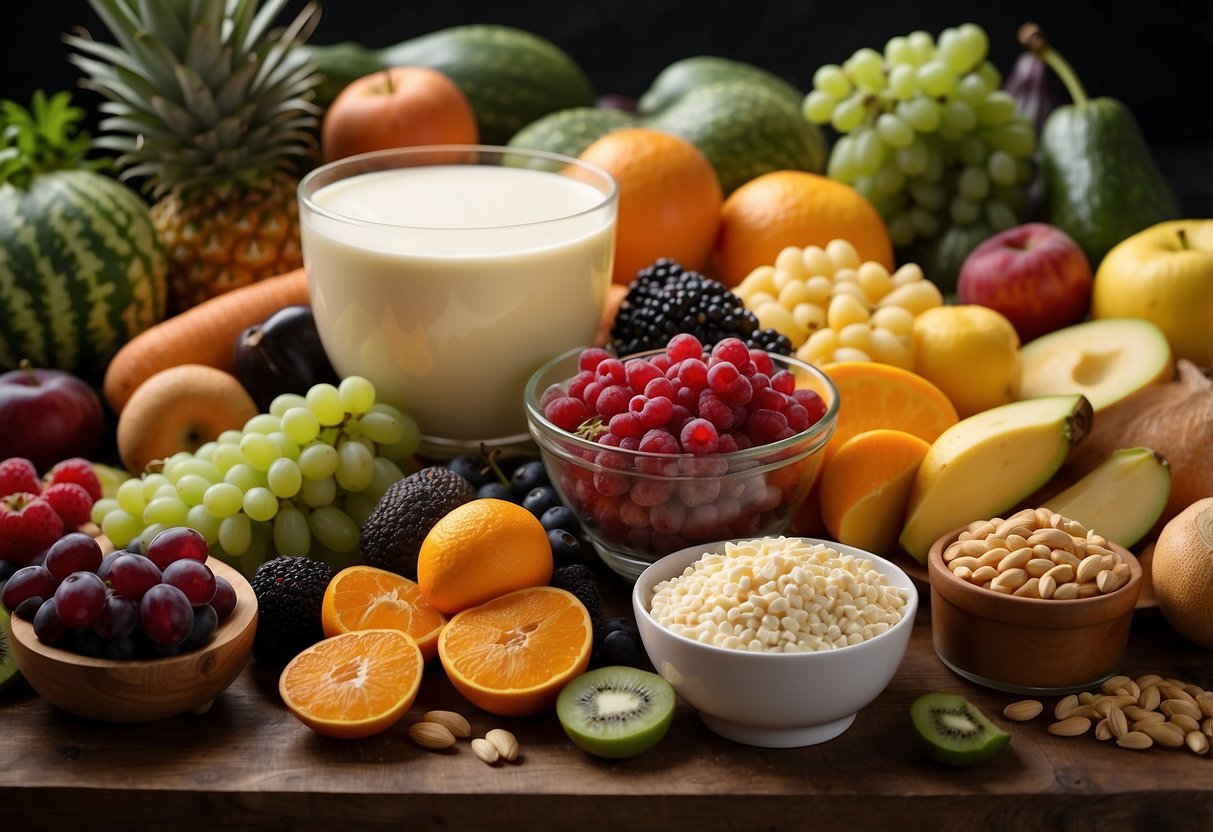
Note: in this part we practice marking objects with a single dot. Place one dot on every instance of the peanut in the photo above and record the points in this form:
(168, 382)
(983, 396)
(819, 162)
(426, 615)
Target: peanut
(1023, 710)
(453, 722)
(431, 735)
(505, 743)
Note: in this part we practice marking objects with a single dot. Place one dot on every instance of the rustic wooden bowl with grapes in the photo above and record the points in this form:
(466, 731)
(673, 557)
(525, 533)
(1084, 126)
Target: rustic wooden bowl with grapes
(160, 679)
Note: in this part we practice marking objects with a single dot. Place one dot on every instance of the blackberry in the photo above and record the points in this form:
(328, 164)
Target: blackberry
(578, 579)
(290, 591)
(391, 537)
(665, 300)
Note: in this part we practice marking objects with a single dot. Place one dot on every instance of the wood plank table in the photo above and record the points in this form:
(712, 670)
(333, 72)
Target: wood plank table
(248, 764)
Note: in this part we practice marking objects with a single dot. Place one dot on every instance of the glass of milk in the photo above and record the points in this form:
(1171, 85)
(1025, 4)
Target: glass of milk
(447, 274)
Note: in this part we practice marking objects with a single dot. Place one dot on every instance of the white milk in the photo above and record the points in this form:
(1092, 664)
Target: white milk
(448, 285)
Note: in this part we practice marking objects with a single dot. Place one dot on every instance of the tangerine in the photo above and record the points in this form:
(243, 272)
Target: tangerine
(355, 684)
(480, 550)
(366, 598)
(794, 208)
(511, 656)
(669, 199)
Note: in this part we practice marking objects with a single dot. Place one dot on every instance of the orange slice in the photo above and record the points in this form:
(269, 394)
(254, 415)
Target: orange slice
(872, 396)
(355, 684)
(368, 598)
(865, 488)
(512, 655)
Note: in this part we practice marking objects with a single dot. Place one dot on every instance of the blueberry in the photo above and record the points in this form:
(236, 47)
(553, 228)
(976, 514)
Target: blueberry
(623, 623)
(527, 476)
(471, 469)
(540, 499)
(560, 517)
(620, 647)
(495, 490)
(566, 548)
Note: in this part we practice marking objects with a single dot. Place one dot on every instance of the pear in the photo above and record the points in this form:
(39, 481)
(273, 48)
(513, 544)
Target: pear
(988, 463)
(1121, 498)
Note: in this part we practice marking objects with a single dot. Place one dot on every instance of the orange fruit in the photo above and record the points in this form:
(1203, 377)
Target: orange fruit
(482, 549)
(1182, 570)
(866, 487)
(512, 655)
(367, 598)
(872, 395)
(669, 199)
(794, 208)
(354, 684)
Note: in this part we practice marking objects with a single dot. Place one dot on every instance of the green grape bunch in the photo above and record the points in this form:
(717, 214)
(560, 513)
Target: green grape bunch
(297, 480)
(927, 134)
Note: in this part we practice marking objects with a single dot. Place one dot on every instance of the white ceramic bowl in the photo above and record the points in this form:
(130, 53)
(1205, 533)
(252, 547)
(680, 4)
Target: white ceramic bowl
(773, 700)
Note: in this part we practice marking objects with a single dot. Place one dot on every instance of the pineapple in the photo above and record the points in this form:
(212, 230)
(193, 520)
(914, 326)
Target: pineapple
(209, 106)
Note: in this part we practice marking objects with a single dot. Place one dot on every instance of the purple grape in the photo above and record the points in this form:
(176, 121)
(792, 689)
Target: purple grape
(122, 650)
(28, 582)
(132, 575)
(175, 544)
(192, 577)
(224, 600)
(206, 622)
(74, 552)
(166, 615)
(118, 618)
(80, 598)
(48, 626)
(28, 608)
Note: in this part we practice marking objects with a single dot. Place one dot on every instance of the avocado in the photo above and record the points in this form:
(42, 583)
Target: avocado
(1102, 183)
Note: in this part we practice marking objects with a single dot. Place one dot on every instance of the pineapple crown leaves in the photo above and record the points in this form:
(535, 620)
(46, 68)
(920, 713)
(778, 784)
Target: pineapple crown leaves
(201, 93)
(44, 138)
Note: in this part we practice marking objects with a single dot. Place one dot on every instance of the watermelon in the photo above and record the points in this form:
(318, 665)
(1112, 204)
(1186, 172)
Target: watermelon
(82, 271)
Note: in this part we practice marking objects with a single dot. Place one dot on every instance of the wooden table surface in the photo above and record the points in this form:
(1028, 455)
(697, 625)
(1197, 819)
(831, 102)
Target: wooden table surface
(248, 764)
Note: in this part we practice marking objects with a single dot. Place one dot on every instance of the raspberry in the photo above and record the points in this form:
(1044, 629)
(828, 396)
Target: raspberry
(28, 525)
(18, 475)
(71, 502)
(77, 470)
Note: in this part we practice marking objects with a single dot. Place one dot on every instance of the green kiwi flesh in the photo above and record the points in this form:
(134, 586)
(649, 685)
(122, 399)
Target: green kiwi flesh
(953, 731)
(616, 712)
(9, 673)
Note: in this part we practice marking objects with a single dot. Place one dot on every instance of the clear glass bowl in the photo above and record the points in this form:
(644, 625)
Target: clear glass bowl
(638, 507)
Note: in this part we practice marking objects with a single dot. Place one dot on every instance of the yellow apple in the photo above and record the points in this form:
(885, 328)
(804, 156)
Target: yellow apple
(1163, 274)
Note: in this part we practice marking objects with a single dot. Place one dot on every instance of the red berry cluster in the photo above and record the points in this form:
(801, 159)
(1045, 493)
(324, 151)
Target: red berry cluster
(681, 401)
(126, 605)
(35, 512)
(685, 413)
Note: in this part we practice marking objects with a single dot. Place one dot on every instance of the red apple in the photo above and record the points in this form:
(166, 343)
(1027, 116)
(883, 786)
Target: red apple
(1034, 274)
(47, 416)
(404, 106)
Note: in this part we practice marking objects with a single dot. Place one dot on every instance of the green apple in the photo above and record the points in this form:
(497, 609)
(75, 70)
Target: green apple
(1121, 498)
(988, 463)
(1163, 274)
(1104, 359)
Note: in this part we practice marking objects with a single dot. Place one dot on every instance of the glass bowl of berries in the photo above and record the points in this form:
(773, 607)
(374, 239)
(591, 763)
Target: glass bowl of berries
(674, 447)
(129, 636)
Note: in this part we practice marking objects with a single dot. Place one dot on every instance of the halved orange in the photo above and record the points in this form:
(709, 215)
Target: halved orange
(367, 598)
(873, 395)
(512, 655)
(354, 684)
(865, 488)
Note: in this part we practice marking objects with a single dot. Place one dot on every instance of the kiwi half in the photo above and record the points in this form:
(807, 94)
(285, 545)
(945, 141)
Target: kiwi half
(9, 673)
(953, 731)
(616, 712)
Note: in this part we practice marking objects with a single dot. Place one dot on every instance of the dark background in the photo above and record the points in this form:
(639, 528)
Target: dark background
(1156, 56)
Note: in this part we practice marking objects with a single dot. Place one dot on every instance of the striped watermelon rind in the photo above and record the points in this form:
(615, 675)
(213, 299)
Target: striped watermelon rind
(82, 271)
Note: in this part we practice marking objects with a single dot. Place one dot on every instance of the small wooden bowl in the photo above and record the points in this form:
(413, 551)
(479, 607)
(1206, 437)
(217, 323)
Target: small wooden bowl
(1029, 645)
(142, 690)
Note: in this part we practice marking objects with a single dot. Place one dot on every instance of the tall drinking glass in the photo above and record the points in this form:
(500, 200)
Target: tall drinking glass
(447, 274)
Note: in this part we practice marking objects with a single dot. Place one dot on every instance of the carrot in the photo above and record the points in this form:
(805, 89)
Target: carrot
(204, 334)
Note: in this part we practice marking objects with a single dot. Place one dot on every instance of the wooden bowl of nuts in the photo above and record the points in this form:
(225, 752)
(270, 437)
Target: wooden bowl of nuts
(1033, 603)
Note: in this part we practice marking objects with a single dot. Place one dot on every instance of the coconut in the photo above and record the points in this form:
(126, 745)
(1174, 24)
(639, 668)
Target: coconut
(1183, 572)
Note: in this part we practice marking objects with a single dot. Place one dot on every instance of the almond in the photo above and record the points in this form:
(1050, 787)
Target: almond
(1023, 710)
(1135, 740)
(1070, 726)
(486, 751)
(431, 735)
(505, 743)
(453, 722)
